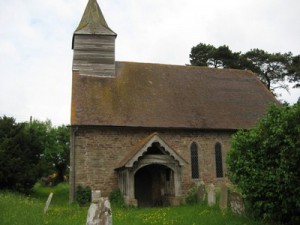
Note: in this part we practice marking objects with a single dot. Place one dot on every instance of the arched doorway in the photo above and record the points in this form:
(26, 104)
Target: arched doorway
(150, 175)
(152, 184)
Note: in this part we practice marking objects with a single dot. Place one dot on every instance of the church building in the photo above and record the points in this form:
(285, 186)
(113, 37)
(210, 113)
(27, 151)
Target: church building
(152, 130)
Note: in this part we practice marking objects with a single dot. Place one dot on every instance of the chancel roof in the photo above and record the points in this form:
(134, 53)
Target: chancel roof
(169, 96)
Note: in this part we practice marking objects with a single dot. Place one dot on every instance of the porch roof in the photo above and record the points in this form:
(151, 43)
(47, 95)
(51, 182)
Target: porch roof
(141, 147)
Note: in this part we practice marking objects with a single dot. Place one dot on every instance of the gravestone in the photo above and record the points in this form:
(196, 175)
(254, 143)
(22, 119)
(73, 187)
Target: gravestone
(236, 202)
(201, 192)
(211, 195)
(48, 202)
(100, 213)
(224, 197)
(96, 196)
(93, 217)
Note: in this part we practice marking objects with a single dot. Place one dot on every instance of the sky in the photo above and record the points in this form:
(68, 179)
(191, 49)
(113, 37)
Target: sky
(36, 37)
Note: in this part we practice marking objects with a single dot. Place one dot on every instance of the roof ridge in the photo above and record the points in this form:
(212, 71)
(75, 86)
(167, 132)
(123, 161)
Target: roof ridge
(185, 66)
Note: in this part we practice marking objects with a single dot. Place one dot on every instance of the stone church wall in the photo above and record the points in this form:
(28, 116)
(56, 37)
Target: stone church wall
(98, 151)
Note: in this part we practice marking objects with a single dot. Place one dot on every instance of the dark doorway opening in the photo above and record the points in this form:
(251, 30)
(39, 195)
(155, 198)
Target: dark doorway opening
(152, 184)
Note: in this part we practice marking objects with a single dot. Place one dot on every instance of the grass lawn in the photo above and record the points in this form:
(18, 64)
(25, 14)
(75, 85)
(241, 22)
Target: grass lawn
(17, 209)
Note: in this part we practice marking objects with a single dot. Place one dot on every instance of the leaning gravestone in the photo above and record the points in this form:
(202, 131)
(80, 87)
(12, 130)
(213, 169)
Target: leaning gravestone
(236, 202)
(48, 202)
(211, 195)
(100, 213)
(201, 193)
(224, 197)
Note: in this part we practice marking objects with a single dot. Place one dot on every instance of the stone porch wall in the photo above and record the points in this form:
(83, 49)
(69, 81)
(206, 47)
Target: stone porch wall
(98, 150)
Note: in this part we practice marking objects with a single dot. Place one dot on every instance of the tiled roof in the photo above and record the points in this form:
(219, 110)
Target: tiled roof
(168, 96)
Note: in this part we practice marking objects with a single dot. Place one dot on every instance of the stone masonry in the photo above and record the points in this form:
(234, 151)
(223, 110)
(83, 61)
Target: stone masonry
(98, 150)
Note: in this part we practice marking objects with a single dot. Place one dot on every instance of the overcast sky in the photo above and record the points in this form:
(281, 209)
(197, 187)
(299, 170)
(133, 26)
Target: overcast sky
(36, 36)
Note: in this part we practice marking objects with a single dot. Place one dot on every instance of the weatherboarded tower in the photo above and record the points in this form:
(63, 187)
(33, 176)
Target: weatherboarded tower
(94, 44)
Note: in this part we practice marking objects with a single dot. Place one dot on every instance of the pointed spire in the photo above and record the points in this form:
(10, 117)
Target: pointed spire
(93, 22)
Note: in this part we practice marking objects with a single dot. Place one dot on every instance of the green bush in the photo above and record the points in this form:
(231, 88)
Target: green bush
(20, 150)
(116, 198)
(264, 163)
(191, 197)
(83, 195)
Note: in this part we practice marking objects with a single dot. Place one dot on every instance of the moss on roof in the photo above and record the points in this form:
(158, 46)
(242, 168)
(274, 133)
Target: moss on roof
(93, 21)
(167, 96)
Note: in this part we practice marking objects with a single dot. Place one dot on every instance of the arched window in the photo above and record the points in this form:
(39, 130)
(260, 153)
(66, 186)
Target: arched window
(194, 161)
(219, 162)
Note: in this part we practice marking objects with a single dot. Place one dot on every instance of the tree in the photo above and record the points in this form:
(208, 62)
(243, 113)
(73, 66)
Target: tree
(294, 71)
(57, 151)
(208, 55)
(20, 150)
(55, 156)
(264, 164)
(29, 151)
(201, 54)
(271, 68)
